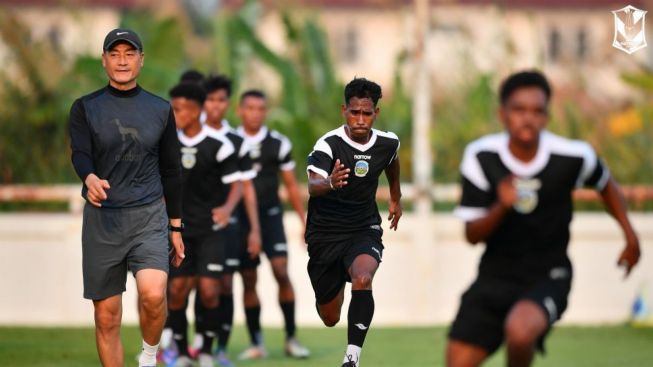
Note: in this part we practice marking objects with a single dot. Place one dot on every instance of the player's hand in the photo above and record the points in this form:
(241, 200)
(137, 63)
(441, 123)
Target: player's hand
(630, 255)
(339, 175)
(506, 192)
(177, 249)
(220, 216)
(253, 244)
(394, 208)
(96, 189)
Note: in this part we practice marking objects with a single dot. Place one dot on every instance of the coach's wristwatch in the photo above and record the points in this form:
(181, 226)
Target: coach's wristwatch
(176, 229)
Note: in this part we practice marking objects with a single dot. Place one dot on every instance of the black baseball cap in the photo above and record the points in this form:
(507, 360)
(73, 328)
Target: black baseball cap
(124, 35)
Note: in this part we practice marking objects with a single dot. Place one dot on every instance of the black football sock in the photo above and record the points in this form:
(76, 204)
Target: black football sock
(226, 320)
(288, 309)
(253, 316)
(179, 325)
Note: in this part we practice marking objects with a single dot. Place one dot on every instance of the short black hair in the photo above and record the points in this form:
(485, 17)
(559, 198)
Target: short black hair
(189, 90)
(363, 88)
(256, 93)
(218, 82)
(522, 79)
(191, 75)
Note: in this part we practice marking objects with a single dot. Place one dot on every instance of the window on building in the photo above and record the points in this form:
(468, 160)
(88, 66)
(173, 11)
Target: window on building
(349, 45)
(554, 45)
(581, 47)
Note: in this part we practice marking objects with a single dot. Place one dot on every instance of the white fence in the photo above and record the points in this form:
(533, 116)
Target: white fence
(426, 267)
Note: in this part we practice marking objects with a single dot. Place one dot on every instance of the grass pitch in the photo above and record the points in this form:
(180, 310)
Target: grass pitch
(566, 346)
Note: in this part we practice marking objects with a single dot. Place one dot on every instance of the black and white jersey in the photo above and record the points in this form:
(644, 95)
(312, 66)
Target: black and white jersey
(245, 165)
(353, 207)
(270, 152)
(537, 228)
(209, 165)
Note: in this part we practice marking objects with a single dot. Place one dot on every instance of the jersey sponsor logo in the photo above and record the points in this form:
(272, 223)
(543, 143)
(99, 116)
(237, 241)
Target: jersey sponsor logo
(280, 247)
(527, 197)
(361, 168)
(362, 156)
(559, 273)
(214, 267)
(232, 262)
(361, 326)
(377, 251)
(188, 158)
(552, 309)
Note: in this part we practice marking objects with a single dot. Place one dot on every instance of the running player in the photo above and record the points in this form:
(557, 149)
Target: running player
(270, 153)
(517, 198)
(344, 226)
(207, 161)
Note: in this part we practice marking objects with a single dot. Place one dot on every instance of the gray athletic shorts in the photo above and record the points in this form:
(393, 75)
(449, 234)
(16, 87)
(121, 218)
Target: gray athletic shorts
(115, 240)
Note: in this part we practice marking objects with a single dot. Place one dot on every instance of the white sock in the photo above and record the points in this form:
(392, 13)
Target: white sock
(198, 341)
(148, 355)
(353, 352)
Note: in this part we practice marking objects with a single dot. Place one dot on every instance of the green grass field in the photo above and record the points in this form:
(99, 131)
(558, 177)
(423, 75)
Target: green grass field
(566, 346)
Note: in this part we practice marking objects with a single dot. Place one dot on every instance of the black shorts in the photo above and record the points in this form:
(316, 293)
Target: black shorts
(330, 258)
(273, 236)
(117, 239)
(205, 256)
(486, 304)
(236, 244)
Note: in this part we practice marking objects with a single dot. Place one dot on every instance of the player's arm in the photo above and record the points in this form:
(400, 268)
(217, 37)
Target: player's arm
(479, 229)
(320, 184)
(394, 207)
(170, 171)
(81, 145)
(290, 181)
(227, 157)
(615, 204)
(251, 209)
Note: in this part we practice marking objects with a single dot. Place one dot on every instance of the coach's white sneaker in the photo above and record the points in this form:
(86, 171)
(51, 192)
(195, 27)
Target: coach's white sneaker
(184, 361)
(296, 350)
(253, 352)
(205, 360)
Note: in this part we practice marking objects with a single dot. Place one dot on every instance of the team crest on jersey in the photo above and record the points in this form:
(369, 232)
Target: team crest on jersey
(255, 151)
(527, 197)
(361, 168)
(188, 158)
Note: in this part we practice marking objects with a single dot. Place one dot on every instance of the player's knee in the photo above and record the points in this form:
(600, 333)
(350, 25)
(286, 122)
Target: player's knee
(209, 297)
(519, 335)
(106, 320)
(330, 320)
(152, 300)
(361, 281)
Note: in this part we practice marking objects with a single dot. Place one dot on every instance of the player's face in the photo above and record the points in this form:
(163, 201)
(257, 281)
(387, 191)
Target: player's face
(122, 64)
(216, 105)
(360, 114)
(187, 112)
(525, 114)
(252, 112)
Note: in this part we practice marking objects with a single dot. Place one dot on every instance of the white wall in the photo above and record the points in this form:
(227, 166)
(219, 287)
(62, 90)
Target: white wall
(425, 269)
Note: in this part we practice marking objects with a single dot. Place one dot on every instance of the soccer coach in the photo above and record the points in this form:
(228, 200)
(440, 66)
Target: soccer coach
(125, 150)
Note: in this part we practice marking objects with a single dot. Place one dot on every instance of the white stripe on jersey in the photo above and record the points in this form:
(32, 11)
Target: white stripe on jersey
(226, 149)
(319, 171)
(470, 167)
(285, 147)
(468, 214)
(322, 146)
(191, 142)
(247, 175)
(288, 166)
(232, 177)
